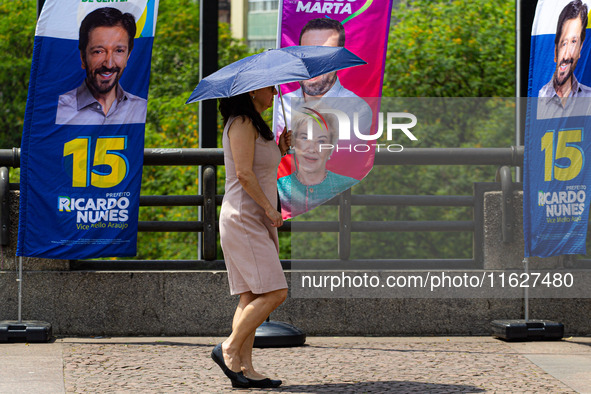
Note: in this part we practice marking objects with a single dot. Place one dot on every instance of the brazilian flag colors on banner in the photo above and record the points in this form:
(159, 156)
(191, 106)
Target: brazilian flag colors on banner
(557, 177)
(83, 138)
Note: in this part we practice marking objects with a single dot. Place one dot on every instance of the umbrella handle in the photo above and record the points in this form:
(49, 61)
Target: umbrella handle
(290, 150)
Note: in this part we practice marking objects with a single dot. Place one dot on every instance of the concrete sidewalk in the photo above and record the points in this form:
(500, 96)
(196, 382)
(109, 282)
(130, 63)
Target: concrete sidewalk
(325, 364)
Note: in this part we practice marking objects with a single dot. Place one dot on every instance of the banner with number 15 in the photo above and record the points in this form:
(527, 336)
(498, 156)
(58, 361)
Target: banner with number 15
(83, 139)
(557, 177)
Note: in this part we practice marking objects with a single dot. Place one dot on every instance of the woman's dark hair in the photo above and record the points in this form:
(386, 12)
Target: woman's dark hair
(573, 10)
(106, 17)
(242, 105)
(325, 24)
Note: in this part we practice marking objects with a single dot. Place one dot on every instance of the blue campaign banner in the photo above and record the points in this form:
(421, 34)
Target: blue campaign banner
(557, 134)
(83, 138)
(555, 186)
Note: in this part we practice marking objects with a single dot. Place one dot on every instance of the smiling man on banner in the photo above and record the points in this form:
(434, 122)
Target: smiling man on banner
(556, 178)
(83, 135)
(568, 42)
(105, 44)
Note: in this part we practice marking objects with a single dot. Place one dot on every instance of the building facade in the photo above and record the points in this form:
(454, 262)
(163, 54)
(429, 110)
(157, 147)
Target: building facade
(256, 22)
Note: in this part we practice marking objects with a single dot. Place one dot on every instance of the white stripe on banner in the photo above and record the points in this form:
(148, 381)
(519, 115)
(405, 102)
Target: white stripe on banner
(60, 19)
(545, 21)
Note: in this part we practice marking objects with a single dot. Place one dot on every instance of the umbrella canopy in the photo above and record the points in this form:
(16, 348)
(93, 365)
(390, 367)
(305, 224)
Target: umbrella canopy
(273, 67)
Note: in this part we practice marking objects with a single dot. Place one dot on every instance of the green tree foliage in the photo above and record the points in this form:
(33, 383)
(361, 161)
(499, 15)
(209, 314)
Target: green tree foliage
(17, 30)
(460, 48)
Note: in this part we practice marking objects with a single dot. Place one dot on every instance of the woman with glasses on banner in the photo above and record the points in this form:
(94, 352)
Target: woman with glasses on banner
(248, 229)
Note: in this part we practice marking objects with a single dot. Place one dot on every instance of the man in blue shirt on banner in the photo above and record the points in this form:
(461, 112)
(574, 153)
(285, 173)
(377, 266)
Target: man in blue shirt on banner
(570, 35)
(105, 43)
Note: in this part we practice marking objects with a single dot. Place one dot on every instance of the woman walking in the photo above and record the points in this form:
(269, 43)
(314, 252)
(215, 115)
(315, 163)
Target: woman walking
(248, 229)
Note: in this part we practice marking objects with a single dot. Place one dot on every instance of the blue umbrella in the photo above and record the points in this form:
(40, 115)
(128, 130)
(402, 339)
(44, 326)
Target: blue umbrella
(273, 67)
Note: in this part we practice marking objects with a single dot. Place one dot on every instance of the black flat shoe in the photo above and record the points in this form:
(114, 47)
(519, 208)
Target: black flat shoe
(264, 383)
(237, 385)
(237, 378)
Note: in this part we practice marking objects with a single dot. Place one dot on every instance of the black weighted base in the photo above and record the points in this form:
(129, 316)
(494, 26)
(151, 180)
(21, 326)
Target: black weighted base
(531, 330)
(278, 334)
(24, 331)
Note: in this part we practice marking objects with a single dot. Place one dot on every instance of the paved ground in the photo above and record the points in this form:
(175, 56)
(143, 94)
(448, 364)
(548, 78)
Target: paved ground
(343, 365)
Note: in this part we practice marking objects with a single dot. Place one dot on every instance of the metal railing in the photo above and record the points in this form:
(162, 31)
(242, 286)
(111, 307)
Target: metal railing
(208, 201)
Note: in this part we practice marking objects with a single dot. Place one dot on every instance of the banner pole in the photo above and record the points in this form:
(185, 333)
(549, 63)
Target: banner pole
(526, 291)
(20, 289)
(40, 4)
(290, 150)
(282, 105)
(208, 64)
(518, 109)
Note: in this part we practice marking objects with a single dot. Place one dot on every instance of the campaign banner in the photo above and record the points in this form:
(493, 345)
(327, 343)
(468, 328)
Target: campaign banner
(557, 133)
(83, 138)
(324, 163)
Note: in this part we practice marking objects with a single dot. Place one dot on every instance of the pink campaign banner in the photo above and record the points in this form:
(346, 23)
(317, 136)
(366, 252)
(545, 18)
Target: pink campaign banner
(324, 163)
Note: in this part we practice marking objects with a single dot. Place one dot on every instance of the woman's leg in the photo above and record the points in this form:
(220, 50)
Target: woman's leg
(246, 350)
(251, 312)
(246, 359)
(245, 299)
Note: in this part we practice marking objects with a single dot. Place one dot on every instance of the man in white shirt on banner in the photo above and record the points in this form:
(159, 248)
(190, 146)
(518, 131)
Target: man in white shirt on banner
(327, 87)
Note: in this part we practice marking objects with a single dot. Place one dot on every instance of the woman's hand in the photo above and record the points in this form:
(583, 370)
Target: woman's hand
(285, 141)
(275, 216)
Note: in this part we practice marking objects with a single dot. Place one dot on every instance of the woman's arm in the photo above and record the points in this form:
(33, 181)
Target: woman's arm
(242, 135)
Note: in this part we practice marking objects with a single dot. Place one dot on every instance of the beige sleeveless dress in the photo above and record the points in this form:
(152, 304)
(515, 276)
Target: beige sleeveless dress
(249, 242)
